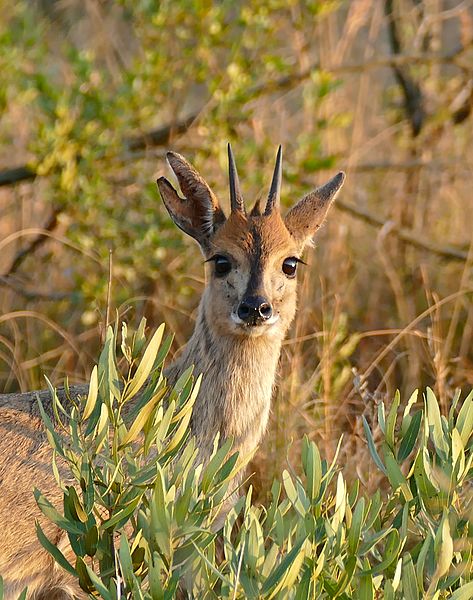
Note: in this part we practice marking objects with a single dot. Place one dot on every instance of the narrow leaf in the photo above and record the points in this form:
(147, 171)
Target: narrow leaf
(54, 551)
(146, 364)
(372, 447)
(92, 395)
(410, 437)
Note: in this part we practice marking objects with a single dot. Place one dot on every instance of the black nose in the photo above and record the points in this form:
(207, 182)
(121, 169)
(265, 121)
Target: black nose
(254, 310)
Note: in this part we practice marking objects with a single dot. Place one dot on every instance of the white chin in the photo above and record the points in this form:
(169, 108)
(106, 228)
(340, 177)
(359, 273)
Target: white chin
(253, 330)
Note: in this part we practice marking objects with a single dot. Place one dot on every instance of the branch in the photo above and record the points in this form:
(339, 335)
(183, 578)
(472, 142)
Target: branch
(413, 100)
(407, 235)
(33, 245)
(161, 135)
(31, 295)
(16, 175)
(28, 401)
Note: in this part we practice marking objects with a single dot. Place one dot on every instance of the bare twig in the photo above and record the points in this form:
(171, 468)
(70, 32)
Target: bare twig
(161, 135)
(34, 244)
(16, 175)
(30, 294)
(406, 235)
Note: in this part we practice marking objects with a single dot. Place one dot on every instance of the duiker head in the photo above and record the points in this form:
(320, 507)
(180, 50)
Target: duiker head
(252, 258)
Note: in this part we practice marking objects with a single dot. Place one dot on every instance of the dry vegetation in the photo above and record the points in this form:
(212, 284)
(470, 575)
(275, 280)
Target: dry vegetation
(381, 89)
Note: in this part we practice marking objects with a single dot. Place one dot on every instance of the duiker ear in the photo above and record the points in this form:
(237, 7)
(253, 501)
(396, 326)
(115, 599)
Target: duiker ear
(308, 214)
(198, 213)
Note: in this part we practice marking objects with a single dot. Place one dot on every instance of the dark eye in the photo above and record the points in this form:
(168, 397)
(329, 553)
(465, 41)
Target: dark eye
(222, 265)
(289, 267)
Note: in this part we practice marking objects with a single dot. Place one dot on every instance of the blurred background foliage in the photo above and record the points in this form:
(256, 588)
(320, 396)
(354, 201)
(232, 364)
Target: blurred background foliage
(94, 92)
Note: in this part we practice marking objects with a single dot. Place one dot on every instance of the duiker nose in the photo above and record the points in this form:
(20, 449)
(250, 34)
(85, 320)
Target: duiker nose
(254, 310)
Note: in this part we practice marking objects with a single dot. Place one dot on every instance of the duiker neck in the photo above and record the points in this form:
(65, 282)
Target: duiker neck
(238, 374)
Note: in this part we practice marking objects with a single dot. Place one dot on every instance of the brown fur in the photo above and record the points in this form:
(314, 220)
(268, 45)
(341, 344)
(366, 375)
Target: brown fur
(238, 364)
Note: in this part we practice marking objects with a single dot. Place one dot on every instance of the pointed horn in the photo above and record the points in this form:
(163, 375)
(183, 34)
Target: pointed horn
(236, 199)
(275, 189)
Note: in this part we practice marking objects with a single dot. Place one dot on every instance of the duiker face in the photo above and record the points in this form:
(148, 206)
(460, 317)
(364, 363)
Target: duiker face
(251, 258)
(252, 276)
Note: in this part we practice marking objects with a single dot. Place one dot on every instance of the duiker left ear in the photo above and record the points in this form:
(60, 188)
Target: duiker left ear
(308, 214)
(199, 213)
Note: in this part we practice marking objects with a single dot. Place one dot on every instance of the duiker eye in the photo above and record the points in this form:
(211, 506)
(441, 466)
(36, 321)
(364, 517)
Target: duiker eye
(289, 266)
(222, 265)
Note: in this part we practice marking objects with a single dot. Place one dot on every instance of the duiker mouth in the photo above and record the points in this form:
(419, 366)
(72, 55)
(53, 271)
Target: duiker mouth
(254, 323)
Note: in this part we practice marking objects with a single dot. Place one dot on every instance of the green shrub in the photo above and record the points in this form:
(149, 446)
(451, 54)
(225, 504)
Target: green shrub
(143, 519)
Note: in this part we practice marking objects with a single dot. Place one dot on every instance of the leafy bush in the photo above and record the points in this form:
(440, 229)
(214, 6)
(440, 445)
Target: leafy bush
(144, 519)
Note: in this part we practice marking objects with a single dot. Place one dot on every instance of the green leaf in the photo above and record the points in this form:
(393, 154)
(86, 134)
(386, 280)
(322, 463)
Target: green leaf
(374, 509)
(423, 475)
(214, 464)
(410, 403)
(107, 369)
(312, 466)
(453, 406)
(126, 562)
(420, 563)
(443, 546)
(389, 593)
(183, 428)
(465, 419)
(373, 539)
(90, 541)
(286, 571)
(340, 502)
(54, 439)
(372, 447)
(92, 395)
(458, 452)
(53, 515)
(101, 430)
(139, 338)
(75, 505)
(303, 587)
(346, 575)
(354, 534)
(142, 418)
(391, 420)
(146, 365)
(395, 475)
(390, 553)
(409, 580)
(126, 350)
(366, 589)
(410, 437)
(465, 592)
(123, 513)
(397, 574)
(435, 422)
(382, 417)
(54, 551)
(95, 579)
(275, 495)
(292, 494)
(211, 566)
(254, 548)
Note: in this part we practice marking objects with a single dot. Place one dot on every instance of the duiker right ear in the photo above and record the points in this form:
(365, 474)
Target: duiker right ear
(198, 214)
(308, 214)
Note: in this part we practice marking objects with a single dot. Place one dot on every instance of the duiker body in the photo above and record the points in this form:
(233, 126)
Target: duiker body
(245, 311)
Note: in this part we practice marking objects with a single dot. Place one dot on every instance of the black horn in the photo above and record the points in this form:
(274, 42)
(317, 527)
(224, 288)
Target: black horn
(275, 189)
(236, 199)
